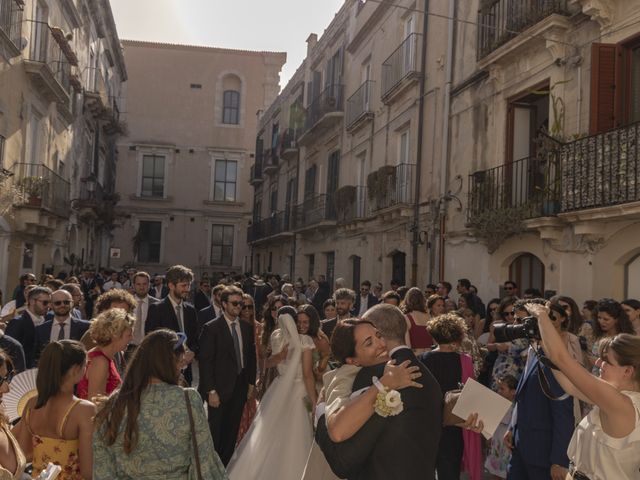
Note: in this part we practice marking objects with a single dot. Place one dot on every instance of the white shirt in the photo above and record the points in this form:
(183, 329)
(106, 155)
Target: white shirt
(111, 284)
(37, 319)
(55, 329)
(144, 310)
(399, 347)
(158, 291)
(217, 310)
(239, 331)
(364, 305)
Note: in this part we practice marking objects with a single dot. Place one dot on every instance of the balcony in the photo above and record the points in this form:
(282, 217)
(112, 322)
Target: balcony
(270, 158)
(314, 212)
(278, 225)
(11, 26)
(41, 198)
(391, 186)
(325, 111)
(402, 68)
(90, 196)
(359, 109)
(289, 144)
(47, 64)
(96, 98)
(499, 21)
(351, 204)
(527, 188)
(602, 170)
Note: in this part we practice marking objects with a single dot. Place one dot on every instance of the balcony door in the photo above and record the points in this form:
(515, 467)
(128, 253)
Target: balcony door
(403, 174)
(528, 272)
(409, 48)
(398, 267)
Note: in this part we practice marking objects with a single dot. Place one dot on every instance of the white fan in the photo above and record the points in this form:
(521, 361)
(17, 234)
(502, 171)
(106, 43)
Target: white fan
(22, 389)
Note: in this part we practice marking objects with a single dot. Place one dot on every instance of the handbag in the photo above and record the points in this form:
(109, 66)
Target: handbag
(194, 441)
(450, 399)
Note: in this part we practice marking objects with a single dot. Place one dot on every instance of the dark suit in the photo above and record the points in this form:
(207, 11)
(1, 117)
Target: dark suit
(205, 315)
(328, 326)
(201, 300)
(163, 315)
(15, 351)
(543, 428)
(371, 301)
(23, 330)
(43, 333)
(403, 446)
(219, 372)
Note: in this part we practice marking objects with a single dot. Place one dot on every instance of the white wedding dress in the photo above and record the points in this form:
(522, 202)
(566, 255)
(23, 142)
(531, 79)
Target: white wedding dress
(280, 437)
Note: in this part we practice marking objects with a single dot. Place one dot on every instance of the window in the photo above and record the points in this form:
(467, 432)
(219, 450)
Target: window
(148, 240)
(231, 109)
(225, 181)
(331, 266)
(312, 266)
(222, 245)
(27, 256)
(310, 182)
(528, 272)
(152, 176)
(403, 156)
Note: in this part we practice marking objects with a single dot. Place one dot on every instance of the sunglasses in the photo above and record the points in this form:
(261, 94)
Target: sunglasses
(7, 379)
(247, 307)
(44, 302)
(507, 314)
(235, 304)
(57, 303)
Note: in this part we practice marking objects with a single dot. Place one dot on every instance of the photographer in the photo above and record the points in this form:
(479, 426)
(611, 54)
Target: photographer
(542, 421)
(606, 443)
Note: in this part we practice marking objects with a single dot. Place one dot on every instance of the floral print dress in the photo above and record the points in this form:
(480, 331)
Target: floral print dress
(510, 362)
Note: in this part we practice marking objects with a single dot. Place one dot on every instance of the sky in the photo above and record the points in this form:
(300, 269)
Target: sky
(271, 25)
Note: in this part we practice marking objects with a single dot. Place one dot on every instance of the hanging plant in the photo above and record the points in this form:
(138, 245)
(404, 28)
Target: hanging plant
(380, 182)
(494, 226)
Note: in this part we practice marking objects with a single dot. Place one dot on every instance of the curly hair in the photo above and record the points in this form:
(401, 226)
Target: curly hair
(447, 328)
(114, 295)
(109, 325)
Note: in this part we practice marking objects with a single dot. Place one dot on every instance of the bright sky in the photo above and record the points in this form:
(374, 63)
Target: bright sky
(273, 25)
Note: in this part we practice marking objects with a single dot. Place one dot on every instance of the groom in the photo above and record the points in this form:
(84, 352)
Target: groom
(227, 371)
(402, 446)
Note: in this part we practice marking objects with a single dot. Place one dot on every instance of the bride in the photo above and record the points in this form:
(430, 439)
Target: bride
(282, 426)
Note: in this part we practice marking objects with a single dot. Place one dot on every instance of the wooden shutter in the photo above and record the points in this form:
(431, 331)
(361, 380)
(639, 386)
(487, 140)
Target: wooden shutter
(603, 87)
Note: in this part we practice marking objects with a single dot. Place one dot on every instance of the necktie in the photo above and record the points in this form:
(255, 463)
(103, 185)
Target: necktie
(236, 344)
(61, 332)
(179, 315)
(137, 335)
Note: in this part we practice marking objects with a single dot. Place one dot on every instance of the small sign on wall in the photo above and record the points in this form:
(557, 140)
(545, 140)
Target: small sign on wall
(114, 253)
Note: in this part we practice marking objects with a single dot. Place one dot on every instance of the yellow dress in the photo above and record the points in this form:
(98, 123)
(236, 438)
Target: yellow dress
(56, 450)
(21, 461)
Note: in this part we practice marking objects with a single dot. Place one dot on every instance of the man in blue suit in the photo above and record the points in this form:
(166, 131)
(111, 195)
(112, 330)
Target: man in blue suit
(541, 428)
(63, 326)
(23, 328)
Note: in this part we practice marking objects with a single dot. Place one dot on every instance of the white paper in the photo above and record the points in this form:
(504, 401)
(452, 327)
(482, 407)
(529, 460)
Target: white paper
(490, 407)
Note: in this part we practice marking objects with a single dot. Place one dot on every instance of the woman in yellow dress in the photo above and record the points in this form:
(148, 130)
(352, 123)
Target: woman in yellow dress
(57, 426)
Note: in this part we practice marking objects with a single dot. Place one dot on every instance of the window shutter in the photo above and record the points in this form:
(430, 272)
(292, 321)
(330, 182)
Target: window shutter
(603, 87)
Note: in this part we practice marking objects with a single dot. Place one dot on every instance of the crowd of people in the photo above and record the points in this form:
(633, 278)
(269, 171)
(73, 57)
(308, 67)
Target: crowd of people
(306, 380)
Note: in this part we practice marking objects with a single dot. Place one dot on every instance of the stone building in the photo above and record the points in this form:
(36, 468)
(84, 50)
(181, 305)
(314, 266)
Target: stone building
(61, 74)
(183, 168)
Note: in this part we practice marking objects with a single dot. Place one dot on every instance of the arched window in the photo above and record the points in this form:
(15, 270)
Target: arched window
(231, 107)
(528, 272)
(632, 278)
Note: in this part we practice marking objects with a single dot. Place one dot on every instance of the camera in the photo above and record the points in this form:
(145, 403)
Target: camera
(527, 328)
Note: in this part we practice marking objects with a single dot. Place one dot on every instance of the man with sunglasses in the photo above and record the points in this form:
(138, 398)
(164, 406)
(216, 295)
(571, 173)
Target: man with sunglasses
(23, 328)
(63, 326)
(227, 371)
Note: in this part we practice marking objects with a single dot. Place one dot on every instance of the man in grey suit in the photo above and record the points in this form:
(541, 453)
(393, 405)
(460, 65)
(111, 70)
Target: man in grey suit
(141, 281)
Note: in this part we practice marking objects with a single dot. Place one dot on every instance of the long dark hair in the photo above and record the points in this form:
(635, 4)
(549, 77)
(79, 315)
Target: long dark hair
(57, 359)
(414, 300)
(314, 319)
(575, 319)
(156, 357)
(615, 310)
(268, 320)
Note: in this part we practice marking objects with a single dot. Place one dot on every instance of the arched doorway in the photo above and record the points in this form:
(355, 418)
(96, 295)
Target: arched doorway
(398, 267)
(632, 278)
(528, 272)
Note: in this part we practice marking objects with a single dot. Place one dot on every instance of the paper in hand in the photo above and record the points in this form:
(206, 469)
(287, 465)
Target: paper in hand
(490, 407)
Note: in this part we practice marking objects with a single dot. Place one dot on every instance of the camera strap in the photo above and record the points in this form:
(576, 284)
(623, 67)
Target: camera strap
(545, 385)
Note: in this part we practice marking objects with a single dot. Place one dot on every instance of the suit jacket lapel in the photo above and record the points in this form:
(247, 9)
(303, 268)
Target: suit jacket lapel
(226, 333)
(530, 367)
(173, 319)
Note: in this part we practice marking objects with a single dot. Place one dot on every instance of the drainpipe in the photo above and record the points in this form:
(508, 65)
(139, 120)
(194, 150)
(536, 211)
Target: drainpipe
(294, 194)
(444, 164)
(415, 242)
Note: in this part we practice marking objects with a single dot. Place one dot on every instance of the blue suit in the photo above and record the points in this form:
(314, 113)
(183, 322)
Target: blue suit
(542, 428)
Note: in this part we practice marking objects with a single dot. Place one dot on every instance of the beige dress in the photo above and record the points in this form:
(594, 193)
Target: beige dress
(601, 457)
(21, 461)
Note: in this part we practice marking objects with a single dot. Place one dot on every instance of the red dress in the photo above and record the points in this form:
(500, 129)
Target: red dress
(419, 336)
(113, 380)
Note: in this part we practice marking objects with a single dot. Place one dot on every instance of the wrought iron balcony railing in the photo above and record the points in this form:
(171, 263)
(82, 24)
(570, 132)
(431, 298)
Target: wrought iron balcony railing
(403, 63)
(531, 185)
(329, 101)
(601, 170)
(355, 205)
(38, 186)
(289, 141)
(501, 20)
(270, 160)
(395, 185)
(359, 104)
(277, 223)
(11, 24)
(313, 211)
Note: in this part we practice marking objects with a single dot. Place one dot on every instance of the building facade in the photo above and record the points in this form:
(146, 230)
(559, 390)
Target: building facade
(61, 74)
(184, 166)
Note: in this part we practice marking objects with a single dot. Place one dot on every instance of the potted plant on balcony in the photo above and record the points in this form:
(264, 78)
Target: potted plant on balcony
(380, 182)
(343, 199)
(33, 188)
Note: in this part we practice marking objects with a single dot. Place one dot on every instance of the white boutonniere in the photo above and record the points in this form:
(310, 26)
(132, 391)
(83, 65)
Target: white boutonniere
(388, 402)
